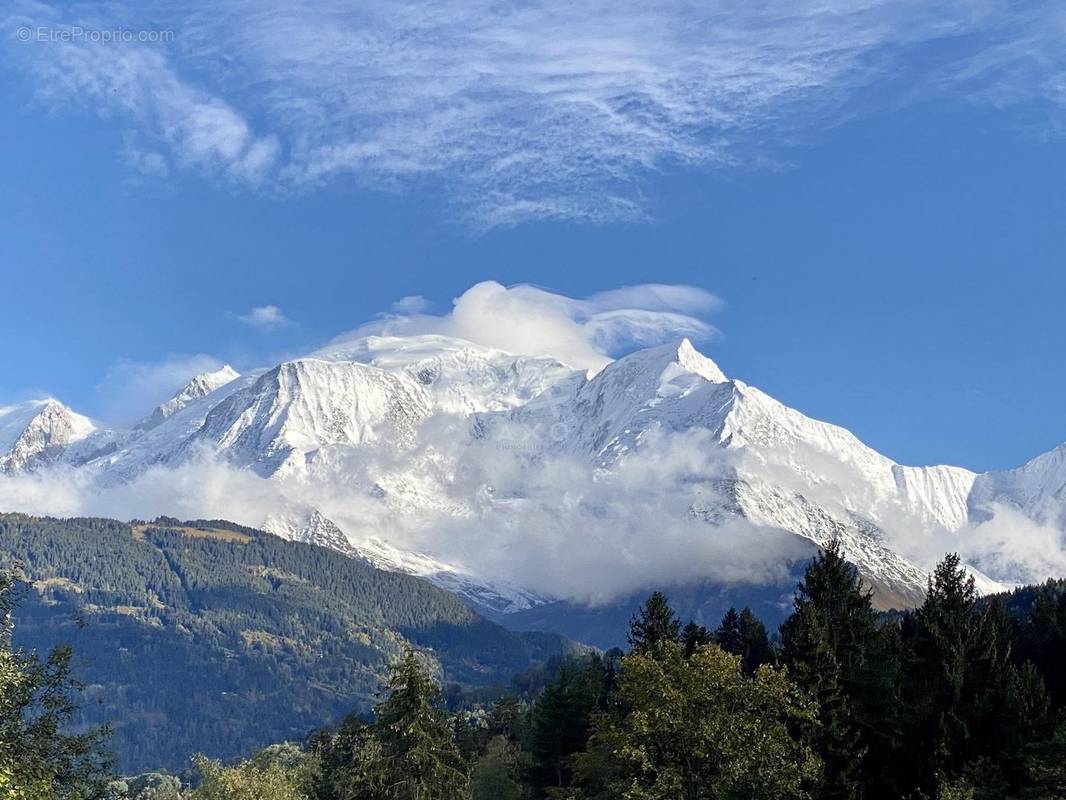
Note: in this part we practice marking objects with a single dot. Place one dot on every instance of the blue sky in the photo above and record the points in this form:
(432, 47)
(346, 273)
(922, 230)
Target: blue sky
(876, 196)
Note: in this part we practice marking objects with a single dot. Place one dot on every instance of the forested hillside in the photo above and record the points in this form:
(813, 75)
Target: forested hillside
(210, 637)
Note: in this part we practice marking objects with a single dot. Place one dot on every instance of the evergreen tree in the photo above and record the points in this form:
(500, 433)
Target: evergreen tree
(808, 652)
(497, 773)
(336, 753)
(694, 636)
(955, 658)
(653, 625)
(728, 635)
(835, 648)
(1042, 639)
(1044, 763)
(756, 642)
(743, 634)
(562, 720)
(418, 755)
(506, 718)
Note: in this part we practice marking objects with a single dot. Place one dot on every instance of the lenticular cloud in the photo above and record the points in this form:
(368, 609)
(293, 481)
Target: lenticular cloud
(582, 333)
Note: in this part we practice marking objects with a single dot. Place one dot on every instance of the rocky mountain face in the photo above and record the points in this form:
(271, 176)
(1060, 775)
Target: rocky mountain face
(433, 428)
(37, 433)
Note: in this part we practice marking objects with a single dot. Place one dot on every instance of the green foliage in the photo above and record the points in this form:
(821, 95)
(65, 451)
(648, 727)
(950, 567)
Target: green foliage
(956, 657)
(222, 645)
(960, 700)
(942, 703)
(497, 774)
(408, 753)
(419, 758)
(562, 720)
(1044, 765)
(694, 636)
(39, 757)
(149, 786)
(264, 777)
(699, 728)
(745, 636)
(654, 624)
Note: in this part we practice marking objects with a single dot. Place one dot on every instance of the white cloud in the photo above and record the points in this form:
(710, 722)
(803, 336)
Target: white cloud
(555, 527)
(544, 110)
(579, 332)
(265, 318)
(132, 388)
(141, 85)
(1008, 546)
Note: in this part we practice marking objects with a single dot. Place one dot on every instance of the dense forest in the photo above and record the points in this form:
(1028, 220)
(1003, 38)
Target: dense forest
(209, 637)
(963, 697)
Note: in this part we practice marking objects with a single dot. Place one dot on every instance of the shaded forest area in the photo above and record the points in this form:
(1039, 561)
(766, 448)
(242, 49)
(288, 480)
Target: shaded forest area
(209, 637)
(962, 698)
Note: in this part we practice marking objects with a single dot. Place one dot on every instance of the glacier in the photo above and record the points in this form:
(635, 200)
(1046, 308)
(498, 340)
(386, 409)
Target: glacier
(367, 435)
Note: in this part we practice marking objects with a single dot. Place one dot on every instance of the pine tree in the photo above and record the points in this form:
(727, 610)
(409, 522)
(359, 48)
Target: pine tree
(496, 774)
(744, 635)
(653, 625)
(419, 758)
(506, 718)
(835, 647)
(808, 652)
(755, 640)
(562, 719)
(728, 634)
(1044, 763)
(956, 656)
(693, 636)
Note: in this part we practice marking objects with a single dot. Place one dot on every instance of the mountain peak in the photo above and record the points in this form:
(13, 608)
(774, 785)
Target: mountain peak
(200, 386)
(666, 362)
(692, 360)
(32, 430)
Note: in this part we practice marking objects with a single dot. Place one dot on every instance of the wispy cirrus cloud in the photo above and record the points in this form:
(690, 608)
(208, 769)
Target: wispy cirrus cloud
(542, 110)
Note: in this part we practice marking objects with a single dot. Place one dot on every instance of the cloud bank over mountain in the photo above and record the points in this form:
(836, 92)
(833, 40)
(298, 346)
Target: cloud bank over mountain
(500, 442)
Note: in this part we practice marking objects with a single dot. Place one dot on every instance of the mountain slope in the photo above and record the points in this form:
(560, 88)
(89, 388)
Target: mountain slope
(411, 447)
(1037, 489)
(211, 637)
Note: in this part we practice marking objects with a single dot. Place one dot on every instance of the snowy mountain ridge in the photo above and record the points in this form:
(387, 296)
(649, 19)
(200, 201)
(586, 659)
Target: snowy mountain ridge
(200, 386)
(435, 428)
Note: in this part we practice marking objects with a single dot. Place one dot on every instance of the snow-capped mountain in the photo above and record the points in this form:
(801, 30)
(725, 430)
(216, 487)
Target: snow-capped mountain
(450, 436)
(40, 432)
(1037, 489)
(200, 386)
